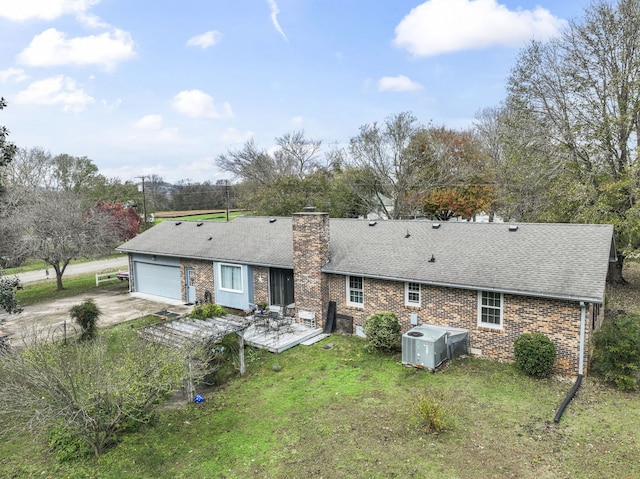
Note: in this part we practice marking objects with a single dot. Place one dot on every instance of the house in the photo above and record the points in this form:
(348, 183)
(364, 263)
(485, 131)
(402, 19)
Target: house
(495, 280)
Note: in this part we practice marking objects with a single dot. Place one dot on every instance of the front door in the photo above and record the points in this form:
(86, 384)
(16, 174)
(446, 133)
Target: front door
(281, 286)
(190, 280)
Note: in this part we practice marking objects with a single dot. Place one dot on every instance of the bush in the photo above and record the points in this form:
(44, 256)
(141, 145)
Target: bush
(86, 315)
(383, 332)
(208, 310)
(535, 354)
(66, 445)
(431, 414)
(616, 357)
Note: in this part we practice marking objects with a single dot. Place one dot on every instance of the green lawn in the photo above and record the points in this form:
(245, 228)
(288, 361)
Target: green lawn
(203, 217)
(341, 412)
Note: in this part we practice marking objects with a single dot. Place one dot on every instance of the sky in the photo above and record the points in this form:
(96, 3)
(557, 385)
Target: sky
(163, 87)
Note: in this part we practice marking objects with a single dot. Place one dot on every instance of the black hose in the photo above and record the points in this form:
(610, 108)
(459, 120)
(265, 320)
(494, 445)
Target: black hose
(568, 399)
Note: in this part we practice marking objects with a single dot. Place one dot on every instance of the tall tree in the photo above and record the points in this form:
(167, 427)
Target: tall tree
(401, 162)
(585, 88)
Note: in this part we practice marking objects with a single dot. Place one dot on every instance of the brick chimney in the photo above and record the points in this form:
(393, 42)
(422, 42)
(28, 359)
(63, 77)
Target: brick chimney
(310, 254)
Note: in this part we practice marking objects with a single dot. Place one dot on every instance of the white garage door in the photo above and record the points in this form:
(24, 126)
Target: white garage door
(157, 279)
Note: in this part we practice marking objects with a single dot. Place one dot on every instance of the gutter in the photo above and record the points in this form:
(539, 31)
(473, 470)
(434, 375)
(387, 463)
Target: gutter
(576, 386)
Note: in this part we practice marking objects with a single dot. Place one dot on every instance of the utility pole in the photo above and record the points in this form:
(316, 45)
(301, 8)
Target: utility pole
(226, 184)
(144, 205)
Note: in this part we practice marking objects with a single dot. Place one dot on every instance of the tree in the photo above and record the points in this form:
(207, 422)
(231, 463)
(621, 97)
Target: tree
(86, 388)
(401, 161)
(124, 219)
(583, 89)
(295, 155)
(74, 173)
(60, 226)
(7, 149)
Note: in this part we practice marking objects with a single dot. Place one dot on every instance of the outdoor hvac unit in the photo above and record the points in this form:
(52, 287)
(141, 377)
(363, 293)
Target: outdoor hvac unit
(424, 347)
(428, 346)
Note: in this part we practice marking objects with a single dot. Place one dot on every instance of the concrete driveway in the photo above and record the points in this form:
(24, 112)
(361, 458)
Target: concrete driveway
(117, 306)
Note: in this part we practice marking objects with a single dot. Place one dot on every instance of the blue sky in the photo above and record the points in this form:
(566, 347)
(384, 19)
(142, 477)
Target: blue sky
(162, 87)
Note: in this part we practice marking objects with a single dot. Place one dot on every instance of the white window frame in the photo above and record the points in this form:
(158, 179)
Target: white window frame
(231, 290)
(350, 289)
(407, 291)
(482, 306)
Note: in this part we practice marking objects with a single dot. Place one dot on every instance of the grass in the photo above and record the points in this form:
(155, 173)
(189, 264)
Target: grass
(336, 411)
(37, 264)
(203, 217)
(45, 290)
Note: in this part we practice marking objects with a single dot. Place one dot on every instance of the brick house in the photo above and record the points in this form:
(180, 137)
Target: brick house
(494, 280)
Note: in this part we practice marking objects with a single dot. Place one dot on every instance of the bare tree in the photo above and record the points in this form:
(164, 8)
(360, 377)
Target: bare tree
(295, 155)
(86, 388)
(60, 226)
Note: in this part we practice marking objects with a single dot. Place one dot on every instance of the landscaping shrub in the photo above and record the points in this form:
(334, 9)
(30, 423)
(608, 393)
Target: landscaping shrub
(208, 310)
(383, 332)
(535, 354)
(431, 414)
(86, 314)
(616, 356)
(66, 445)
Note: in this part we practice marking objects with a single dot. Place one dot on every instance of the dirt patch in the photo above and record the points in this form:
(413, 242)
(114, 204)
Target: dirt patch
(49, 318)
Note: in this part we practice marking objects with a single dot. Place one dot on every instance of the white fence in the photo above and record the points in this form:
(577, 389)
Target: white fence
(106, 277)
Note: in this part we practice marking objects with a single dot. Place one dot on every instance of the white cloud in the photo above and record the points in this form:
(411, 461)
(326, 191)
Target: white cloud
(232, 135)
(18, 74)
(398, 83)
(297, 121)
(149, 122)
(58, 90)
(21, 10)
(274, 18)
(52, 47)
(441, 26)
(205, 40)
(197, 104)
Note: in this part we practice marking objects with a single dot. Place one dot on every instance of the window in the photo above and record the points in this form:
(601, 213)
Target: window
(355, 291)
(231, 278)
(412, 294)
(490, 309)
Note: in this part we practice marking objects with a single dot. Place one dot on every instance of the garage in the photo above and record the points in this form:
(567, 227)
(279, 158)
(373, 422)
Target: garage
(157, 279)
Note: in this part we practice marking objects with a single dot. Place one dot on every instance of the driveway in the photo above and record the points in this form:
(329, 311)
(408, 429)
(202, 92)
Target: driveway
(117, 306)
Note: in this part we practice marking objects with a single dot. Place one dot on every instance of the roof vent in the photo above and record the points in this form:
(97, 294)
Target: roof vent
(513, 227)
(200, 223)
(373, 223)
(272, 220)
(210, 238)
(178, 223)
(435, 226)
(432, 259)
(408, 234)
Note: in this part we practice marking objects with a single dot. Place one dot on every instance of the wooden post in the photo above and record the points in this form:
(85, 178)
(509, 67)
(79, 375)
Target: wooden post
(241, 352)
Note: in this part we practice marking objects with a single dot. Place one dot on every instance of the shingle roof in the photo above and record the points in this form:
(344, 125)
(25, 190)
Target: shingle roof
(567, 261)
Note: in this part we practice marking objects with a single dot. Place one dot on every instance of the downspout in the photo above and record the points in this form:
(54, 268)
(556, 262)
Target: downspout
(576, 386)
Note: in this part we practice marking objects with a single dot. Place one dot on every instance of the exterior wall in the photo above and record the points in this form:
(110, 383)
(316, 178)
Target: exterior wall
(203, 278)
(260, 284)
(458, 308)
(310, 254)
(231, 299)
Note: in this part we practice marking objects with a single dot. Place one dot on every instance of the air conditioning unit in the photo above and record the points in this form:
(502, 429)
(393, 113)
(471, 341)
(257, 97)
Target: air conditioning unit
(424, 347)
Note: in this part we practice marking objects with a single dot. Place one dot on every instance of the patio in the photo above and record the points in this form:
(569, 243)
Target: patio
(274, 337)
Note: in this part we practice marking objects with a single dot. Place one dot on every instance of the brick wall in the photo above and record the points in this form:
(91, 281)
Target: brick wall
(203, 278)
(260, 284)
(310, 253)
(559, 320)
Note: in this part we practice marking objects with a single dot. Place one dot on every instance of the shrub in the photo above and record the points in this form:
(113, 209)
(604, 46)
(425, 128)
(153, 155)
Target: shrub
(383, 332)
(66, 445)
(86, 314)
(208, 310)
(616, 357)
(431, 414)
(535, 354)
